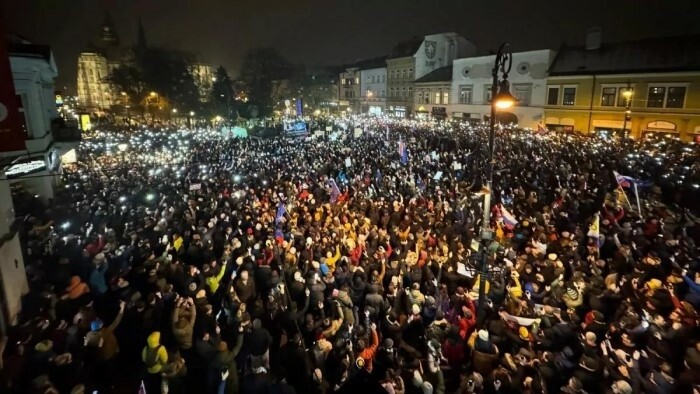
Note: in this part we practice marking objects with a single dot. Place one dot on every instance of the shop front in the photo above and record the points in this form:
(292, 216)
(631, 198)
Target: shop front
(611, 128)
(561, 125)
(660, 128)
(438, 113)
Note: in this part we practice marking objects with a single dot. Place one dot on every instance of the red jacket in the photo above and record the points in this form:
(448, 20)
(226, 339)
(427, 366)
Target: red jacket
(368, 353)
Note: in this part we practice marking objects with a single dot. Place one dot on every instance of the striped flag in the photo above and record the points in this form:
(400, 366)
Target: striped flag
(623, 180)
(335, 192)
(508, 217)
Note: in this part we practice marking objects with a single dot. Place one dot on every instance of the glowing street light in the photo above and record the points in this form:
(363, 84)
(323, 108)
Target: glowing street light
(191, 113)
(218, 118)
(174, 110)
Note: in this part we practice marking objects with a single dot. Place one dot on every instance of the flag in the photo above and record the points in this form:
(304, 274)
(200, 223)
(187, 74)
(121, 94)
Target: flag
(594, 229)
(335, 192)
(403, 152)
(142, 388)
(419, 183)
(281, 210)
(508, 217)
(623, 180)
(540, 128)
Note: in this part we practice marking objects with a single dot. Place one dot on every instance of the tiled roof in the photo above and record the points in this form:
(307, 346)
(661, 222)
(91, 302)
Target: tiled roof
(443, 74)
(649, 55)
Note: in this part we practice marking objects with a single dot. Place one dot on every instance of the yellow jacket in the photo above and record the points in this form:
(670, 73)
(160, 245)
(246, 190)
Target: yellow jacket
(330, 261)
(160, 358)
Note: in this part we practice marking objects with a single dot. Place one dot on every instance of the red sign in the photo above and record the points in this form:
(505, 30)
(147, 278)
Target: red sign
(11, 134)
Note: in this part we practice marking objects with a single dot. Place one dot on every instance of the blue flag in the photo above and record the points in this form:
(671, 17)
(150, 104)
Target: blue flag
(281, 210)
(403, 152)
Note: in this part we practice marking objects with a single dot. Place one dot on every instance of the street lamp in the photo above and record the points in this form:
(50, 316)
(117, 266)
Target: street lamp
(500, 99)
(628, 113)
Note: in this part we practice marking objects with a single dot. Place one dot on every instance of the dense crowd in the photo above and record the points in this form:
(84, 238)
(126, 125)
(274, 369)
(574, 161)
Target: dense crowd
(189, 262)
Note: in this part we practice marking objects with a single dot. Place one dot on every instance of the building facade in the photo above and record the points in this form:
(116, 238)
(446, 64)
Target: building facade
(471, 87)
(203, 75)
(93, 90)
(440, 50)
(373, 90)
(349, 93)
(603, 89)
(432, 98)
(35, 169)
(400, 77)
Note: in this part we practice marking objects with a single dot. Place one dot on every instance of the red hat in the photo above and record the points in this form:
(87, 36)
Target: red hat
(249, 231)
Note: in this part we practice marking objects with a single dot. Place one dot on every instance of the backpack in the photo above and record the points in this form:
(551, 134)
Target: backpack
(152, 356)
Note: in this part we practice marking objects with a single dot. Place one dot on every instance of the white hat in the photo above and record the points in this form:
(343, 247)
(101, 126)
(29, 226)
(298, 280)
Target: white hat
(552, 256)
(315, 264)
(309, 241)
(483, 335)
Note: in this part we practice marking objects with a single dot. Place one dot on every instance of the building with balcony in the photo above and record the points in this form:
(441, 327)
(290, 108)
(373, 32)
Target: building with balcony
(635, 88)
(34, 168)
(471, 88)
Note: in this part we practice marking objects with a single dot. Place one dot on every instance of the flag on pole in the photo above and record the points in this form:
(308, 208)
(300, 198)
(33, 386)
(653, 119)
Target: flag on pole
(281, 210)
(508, 217)
(623, 180)
(540, 128)
(594, 228)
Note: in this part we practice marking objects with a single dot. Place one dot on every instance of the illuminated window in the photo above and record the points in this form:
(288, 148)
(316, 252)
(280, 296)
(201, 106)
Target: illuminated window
(656, 97)
(465, 94)
(569, 96)
(621, 101)
(437, 98)
(445, 97)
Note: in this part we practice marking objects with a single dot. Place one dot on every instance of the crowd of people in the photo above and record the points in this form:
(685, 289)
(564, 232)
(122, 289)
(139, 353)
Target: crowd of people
(176, 261)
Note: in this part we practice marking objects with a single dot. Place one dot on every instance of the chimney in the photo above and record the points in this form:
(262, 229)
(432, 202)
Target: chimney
(593, 38)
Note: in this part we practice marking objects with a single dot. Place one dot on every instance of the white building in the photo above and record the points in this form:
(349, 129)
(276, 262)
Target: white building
(35, 169)
(373, 90)
(471, 87)
(440, 50)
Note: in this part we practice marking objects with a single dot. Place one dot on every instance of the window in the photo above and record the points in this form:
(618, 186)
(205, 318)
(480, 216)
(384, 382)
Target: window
(357, 80)
(621, 101)
(445, 97)
(465, 94)
(569, 96)
(487, 94)
(522, 92)
(391, 74)
(342, 81)
(553, 95)
(403, 72)
(410, 92)
(410, 73)
(403, 93)
(427, 97)
(676, 97)
(656, 97)
(369, 80)
(420, 97)
(383, 78)
(608, 97)
(437, 98)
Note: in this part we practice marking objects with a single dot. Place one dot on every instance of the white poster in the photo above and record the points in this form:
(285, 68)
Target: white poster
(195, 186)
(329, 128)
(456, 166)
(438, 175)
(358, 132)
(348, 162)
(319, 133)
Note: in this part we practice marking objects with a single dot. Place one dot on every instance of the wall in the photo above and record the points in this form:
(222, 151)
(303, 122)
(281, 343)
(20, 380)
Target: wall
(588, 114)
(14, 279)
(93, 92)
(528, 77)
(374, 81)
(440, 50)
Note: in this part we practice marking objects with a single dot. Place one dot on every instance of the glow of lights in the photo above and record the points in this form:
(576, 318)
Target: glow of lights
(122, 147)
(65, 225)
(122, 199)
(236, 178)
(150, 197)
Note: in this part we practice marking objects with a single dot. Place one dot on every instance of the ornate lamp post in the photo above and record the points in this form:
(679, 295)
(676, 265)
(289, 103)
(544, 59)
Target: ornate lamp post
(500, 99)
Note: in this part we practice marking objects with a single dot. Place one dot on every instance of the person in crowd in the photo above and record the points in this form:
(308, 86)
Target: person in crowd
(231, 265)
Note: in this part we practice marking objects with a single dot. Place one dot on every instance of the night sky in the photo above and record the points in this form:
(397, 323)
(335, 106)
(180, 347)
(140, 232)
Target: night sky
(316, 32)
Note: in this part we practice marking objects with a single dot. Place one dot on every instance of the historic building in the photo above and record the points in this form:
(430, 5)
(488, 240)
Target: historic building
(349, 90)
(103, 54)
(471, 87)
(415, 59)
(31, 151)
(636, 88)
(373, 90)
(432, 98)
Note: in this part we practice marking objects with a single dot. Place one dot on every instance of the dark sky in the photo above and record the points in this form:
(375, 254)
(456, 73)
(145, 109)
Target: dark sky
(321, 32)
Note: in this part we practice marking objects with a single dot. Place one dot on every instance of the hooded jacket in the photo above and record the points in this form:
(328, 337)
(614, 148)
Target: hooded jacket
(161, 356)
(76, 288)
(183, 335)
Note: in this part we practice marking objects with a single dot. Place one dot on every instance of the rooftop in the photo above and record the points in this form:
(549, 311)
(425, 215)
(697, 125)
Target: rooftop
(649, 55)
(406, 48)
(443, 74)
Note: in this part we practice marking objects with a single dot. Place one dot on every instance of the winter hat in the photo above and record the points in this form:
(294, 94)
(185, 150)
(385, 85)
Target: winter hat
(96, 325)
(483, 335)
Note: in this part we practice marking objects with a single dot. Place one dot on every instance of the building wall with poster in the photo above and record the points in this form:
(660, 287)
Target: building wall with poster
(586, 89)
